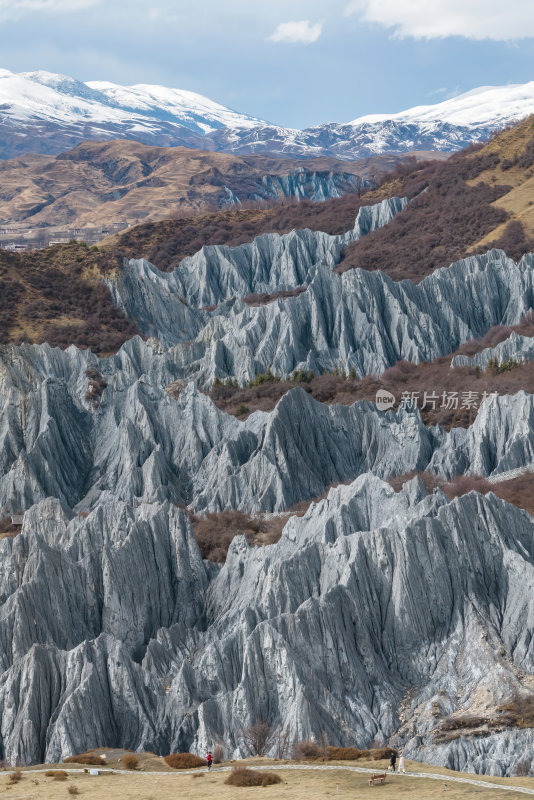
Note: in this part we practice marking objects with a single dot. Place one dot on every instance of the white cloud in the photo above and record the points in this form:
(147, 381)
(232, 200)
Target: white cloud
(14, 9)
(302, 32)
(432, 19)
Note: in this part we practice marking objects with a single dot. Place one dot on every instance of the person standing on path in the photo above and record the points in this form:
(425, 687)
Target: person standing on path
(393, 760)
(401, 763)
(209, 759)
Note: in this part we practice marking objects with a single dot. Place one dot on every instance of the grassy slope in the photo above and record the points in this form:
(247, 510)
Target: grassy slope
(296, 785)
(470, 201)
(519, 201)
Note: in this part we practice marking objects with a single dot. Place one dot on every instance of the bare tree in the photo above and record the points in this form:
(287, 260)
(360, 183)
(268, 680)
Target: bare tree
(258, 738)
(283, 744)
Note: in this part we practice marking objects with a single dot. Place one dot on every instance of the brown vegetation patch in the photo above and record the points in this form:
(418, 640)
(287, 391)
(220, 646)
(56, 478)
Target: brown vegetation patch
(16, 775)
(243, 776)
(60, 299)
(7, 529)
(184, 761)
(215, 531)
(437, 227)
(513, 240)
(443, 386)
(518, 491)
(130, 761)
(316, 751)
(497, 334)
(268, 297)
(87, 759)
(347, 753)
(517, 712)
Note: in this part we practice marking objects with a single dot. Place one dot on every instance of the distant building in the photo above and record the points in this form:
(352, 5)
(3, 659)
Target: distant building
(14, 247)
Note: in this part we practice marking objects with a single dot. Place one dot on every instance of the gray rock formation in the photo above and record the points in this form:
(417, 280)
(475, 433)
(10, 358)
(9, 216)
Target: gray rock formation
(115, 632)
(308, 183)
(141, 442)
(361, 320)
(216, 273)
(515, 347)
(377, 616)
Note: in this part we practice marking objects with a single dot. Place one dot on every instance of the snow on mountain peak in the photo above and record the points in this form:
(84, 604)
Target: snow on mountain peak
(484, 105)
(60, 98)
(46, 112)
(163, 102)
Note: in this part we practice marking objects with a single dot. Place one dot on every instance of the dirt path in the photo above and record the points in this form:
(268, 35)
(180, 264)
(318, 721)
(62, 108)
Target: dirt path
(309, 767)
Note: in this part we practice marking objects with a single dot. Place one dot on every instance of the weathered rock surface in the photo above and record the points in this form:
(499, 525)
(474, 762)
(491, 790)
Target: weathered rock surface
(141, 442)
(515, 347)
(377, 616)
(114, 631)
(361, 320)
(167, 304)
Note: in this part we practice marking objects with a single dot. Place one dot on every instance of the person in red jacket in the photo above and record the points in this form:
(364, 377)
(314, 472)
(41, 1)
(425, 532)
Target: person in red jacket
(209, 759)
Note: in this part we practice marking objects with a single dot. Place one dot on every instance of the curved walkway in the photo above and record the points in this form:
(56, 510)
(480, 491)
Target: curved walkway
(307, 767)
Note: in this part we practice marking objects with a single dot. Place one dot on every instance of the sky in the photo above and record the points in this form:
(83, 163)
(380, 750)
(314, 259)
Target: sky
(295, 63)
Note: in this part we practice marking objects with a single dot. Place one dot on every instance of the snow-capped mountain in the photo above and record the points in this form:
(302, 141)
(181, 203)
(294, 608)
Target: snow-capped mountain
(487, 105)
(449, 125)
(47, 113)
(61, 98)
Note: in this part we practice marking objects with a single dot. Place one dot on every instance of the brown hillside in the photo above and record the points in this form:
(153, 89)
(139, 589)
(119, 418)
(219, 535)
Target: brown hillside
(165, 243)
(479, 198)
(56, 295)
(98, 183)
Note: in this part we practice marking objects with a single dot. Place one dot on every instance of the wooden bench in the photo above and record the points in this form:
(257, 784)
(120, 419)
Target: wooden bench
(380, 778)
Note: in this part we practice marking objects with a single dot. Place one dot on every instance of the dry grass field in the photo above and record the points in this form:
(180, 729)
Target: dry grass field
(302, 784)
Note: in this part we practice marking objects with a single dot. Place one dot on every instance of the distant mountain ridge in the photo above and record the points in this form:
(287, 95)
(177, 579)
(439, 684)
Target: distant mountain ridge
(42, 112)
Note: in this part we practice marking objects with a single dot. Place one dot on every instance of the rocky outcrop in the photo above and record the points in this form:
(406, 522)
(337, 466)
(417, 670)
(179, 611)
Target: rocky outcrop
(141, 442)
(217, 272)
(81, 598)
(316, 186)
(116, 633)
(358, 320)
(515, 348)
